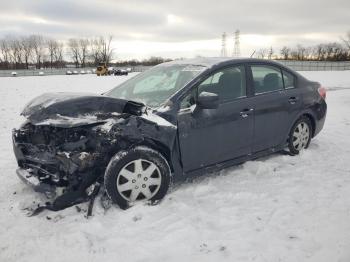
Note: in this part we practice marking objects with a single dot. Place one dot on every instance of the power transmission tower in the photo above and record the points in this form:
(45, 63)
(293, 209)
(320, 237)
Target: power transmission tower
(223, 45)
(236, 49)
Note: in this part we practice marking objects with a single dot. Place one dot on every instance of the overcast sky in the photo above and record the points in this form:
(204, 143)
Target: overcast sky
(180, 28)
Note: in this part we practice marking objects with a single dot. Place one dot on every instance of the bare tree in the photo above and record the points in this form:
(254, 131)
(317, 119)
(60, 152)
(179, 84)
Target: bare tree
(329, 51)
(1, 56)
(101, 50)
(38, 45)
(83, 45)
(16, 51)
(73, 45)
(107, 50)
(5, 52)
(341, 53)
(27, 50)
(346, 40)
(335, 51)
(95, 51)
(52, 46)
(300, 52)
(319, 52)
(59, 54)
(270, 53)
(308, 53)
(262, 53)
(285, 52)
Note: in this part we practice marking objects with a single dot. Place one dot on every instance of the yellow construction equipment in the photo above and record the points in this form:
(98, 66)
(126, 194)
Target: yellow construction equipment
(102, 69)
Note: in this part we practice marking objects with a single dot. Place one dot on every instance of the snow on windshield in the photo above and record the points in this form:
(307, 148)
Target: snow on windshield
(155, 86)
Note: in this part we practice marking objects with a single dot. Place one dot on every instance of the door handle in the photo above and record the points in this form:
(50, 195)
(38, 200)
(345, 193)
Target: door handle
(292, 100)
(246, 112)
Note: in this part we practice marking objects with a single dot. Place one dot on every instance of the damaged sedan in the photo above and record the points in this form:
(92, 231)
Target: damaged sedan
(177, 119)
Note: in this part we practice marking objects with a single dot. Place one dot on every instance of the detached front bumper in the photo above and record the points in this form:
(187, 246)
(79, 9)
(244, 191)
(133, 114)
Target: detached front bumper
(61, 202)
(34, 182)
(17, 151)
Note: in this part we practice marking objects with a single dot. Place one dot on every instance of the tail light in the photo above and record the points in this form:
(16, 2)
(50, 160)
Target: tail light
(322, 91)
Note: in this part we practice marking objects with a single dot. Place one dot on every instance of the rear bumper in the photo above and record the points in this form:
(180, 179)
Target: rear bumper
(321, 113)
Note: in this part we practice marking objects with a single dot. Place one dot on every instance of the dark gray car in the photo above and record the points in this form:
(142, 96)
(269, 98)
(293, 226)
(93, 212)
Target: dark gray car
(175, 120)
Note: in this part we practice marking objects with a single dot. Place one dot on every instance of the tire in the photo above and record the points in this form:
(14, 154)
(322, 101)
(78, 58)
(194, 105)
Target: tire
(129, 177)
(300, 135)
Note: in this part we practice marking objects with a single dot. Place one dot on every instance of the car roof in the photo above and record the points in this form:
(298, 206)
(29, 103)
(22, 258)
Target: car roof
(216, 61)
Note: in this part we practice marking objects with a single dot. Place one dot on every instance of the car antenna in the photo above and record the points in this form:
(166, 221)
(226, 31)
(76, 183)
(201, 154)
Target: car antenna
(252, 54)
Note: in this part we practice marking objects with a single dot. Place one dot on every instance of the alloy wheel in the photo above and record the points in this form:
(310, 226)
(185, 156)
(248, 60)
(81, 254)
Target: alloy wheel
(140, 179)
(301, 136)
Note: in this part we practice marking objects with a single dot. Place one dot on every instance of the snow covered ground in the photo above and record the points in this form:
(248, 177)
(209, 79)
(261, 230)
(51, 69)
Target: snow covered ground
(279, 208)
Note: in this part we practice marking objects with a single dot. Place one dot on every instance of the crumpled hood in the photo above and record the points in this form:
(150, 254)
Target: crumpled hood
(74, 109)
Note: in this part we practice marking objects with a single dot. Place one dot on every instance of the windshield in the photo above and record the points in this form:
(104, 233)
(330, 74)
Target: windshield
(153, 87)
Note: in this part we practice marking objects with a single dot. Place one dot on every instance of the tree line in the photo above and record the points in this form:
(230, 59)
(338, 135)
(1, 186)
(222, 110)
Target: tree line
(37, 51)
(153, 60)
(332, 51)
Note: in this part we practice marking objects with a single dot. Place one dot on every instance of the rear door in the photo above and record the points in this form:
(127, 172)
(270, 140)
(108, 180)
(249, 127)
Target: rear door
(270, 106)
(293, 98)
(211, 136)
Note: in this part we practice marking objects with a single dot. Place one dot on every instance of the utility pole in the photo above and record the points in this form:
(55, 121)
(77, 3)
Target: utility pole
(223, 45)
(236, 49)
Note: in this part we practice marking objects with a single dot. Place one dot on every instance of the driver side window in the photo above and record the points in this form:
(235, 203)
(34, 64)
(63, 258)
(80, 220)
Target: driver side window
(229, 84)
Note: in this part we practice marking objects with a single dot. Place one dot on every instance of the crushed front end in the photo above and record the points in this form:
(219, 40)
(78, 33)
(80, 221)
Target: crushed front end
(66, 143)
(61, 162)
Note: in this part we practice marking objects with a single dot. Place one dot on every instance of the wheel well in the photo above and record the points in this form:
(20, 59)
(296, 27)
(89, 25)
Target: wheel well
(161, 148)
(313, 122)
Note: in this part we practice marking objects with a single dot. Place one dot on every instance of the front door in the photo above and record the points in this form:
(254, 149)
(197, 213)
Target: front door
(211, 136)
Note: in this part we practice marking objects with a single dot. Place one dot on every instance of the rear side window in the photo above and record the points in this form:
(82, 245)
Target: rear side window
(288, 79)
(266, 79)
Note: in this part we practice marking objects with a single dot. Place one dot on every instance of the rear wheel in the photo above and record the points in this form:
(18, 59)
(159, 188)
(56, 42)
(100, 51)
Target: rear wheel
(300, 135)
(140, 174)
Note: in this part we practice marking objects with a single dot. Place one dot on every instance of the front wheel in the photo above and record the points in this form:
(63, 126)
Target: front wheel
(139, 174)
(300, 136)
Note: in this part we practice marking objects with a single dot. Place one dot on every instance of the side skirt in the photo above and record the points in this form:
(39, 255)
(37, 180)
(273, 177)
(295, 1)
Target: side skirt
(232, 162)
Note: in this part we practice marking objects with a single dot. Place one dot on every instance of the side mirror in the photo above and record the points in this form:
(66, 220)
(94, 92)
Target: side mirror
(208, 100)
